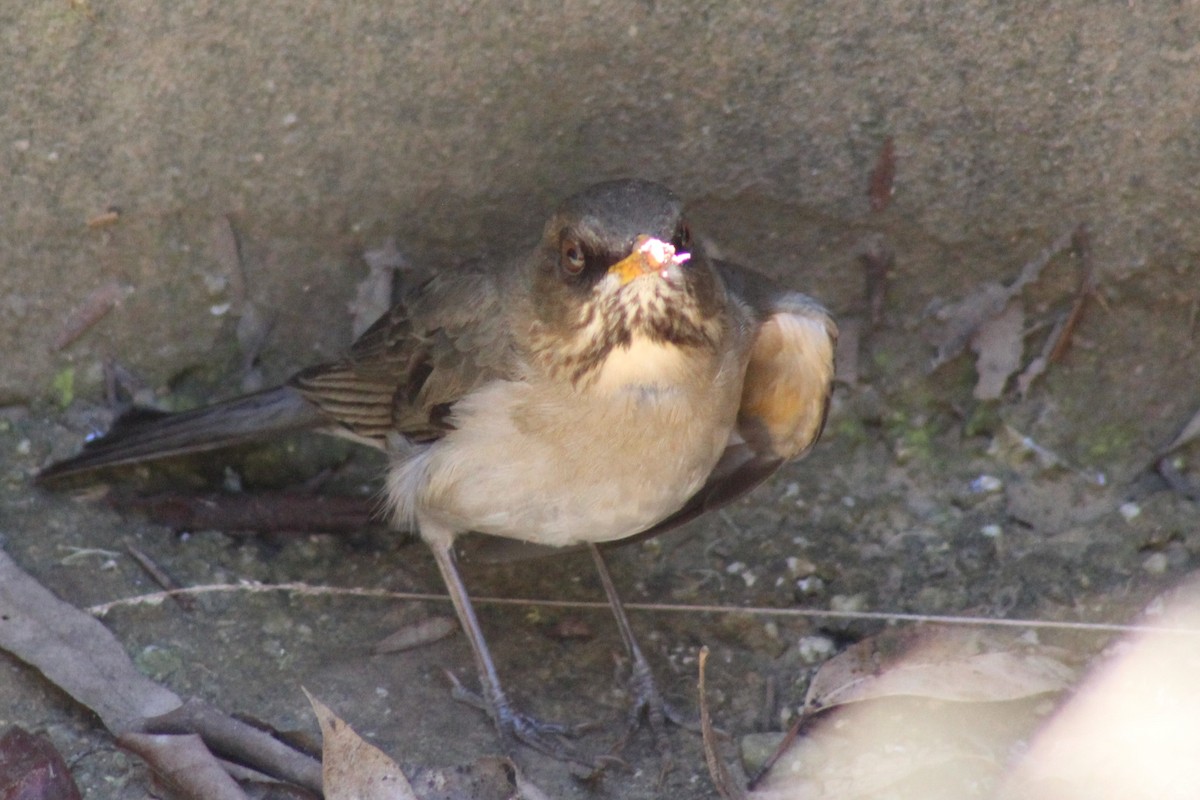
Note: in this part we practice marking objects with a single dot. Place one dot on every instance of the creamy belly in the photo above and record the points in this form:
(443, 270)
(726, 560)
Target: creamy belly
(553, 466)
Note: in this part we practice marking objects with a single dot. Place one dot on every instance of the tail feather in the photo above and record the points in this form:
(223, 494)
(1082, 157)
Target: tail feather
(147, 435)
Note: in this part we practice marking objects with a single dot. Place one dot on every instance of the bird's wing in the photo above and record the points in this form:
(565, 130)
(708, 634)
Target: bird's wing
(444, 339)
(785, 396)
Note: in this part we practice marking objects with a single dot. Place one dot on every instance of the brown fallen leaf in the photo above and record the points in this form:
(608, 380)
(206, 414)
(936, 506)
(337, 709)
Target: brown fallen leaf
(1132, 730)
(352, 768)
(419, 634)
(252, 331)
(948, 663)
(32, 769)
(225, 249)
(999, 344)
(184, 765)
(79, 655)
(913, 739)
(887, 749)
(373, 295)
(93, 309)
(236, 740)
(962, 319)
(357, 770)
(75, 652)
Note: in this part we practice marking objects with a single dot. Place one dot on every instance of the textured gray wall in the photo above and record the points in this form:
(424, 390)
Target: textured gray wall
(319, 129)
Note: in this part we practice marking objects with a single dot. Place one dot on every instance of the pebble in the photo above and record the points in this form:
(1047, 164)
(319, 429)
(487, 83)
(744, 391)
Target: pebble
(1155, 563)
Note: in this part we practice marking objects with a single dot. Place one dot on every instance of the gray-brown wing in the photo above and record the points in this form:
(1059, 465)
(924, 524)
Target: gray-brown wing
(446, 337)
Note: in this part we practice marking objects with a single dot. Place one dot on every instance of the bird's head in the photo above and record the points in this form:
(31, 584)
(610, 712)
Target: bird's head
(618, 267)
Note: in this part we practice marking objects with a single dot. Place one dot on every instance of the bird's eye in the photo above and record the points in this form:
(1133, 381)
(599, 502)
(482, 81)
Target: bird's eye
(571, 257)
(682, 240)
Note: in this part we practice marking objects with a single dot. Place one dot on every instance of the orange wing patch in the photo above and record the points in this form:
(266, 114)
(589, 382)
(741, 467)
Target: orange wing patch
(786, 393)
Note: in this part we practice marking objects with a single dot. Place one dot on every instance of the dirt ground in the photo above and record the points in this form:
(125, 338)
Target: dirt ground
(886, 515)
(920, 499)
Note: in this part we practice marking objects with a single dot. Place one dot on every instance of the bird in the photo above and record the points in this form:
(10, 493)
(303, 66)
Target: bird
(611, 383)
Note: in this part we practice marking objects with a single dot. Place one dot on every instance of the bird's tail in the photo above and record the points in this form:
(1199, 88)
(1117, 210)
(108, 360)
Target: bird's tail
(143, 435)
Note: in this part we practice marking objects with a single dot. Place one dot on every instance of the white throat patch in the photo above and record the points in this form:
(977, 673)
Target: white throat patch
(642, 364)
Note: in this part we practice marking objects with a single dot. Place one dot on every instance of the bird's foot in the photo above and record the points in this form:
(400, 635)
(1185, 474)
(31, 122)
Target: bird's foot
(549, 738)
(647, 704)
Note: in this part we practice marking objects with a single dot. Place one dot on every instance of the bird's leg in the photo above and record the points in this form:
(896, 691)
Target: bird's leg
(512, 725)
(647, 698)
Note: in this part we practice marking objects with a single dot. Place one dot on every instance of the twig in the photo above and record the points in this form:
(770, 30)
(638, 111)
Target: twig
(309, 590)
(161, 577)
(877, 259)
(244, 743)
(883, 177)
(770, 701)
(1081, 243)
(275, 512)
(718, 770)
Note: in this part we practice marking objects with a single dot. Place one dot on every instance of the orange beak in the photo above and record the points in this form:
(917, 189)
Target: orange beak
(648, 257)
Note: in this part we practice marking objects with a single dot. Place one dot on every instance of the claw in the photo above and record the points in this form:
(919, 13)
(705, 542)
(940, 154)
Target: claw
(548, 738)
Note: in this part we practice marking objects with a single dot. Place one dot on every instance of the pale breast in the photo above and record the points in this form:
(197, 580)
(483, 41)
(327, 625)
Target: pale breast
(560, 466)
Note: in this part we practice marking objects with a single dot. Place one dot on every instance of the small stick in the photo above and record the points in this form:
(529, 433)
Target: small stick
(877, 260)
(717, 769)
(161, 577)
(883, 177)
(265, 512)
(1081, 243)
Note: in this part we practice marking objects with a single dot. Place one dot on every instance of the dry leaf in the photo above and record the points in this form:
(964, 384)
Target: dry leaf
(185, 765)
(75, 652)
(1189, 432)
(914, 739)
(226, 251)
(354, 769)
(964, 318)
(93, 309)
(1132, 730)
(957, 664)
(79, 655)
(373, 296)
(419, 634)
(879, 750)
(253, 329)
(999, 342)
(32, 769)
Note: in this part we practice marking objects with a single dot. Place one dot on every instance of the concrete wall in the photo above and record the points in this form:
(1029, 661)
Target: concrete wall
(320, 129)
